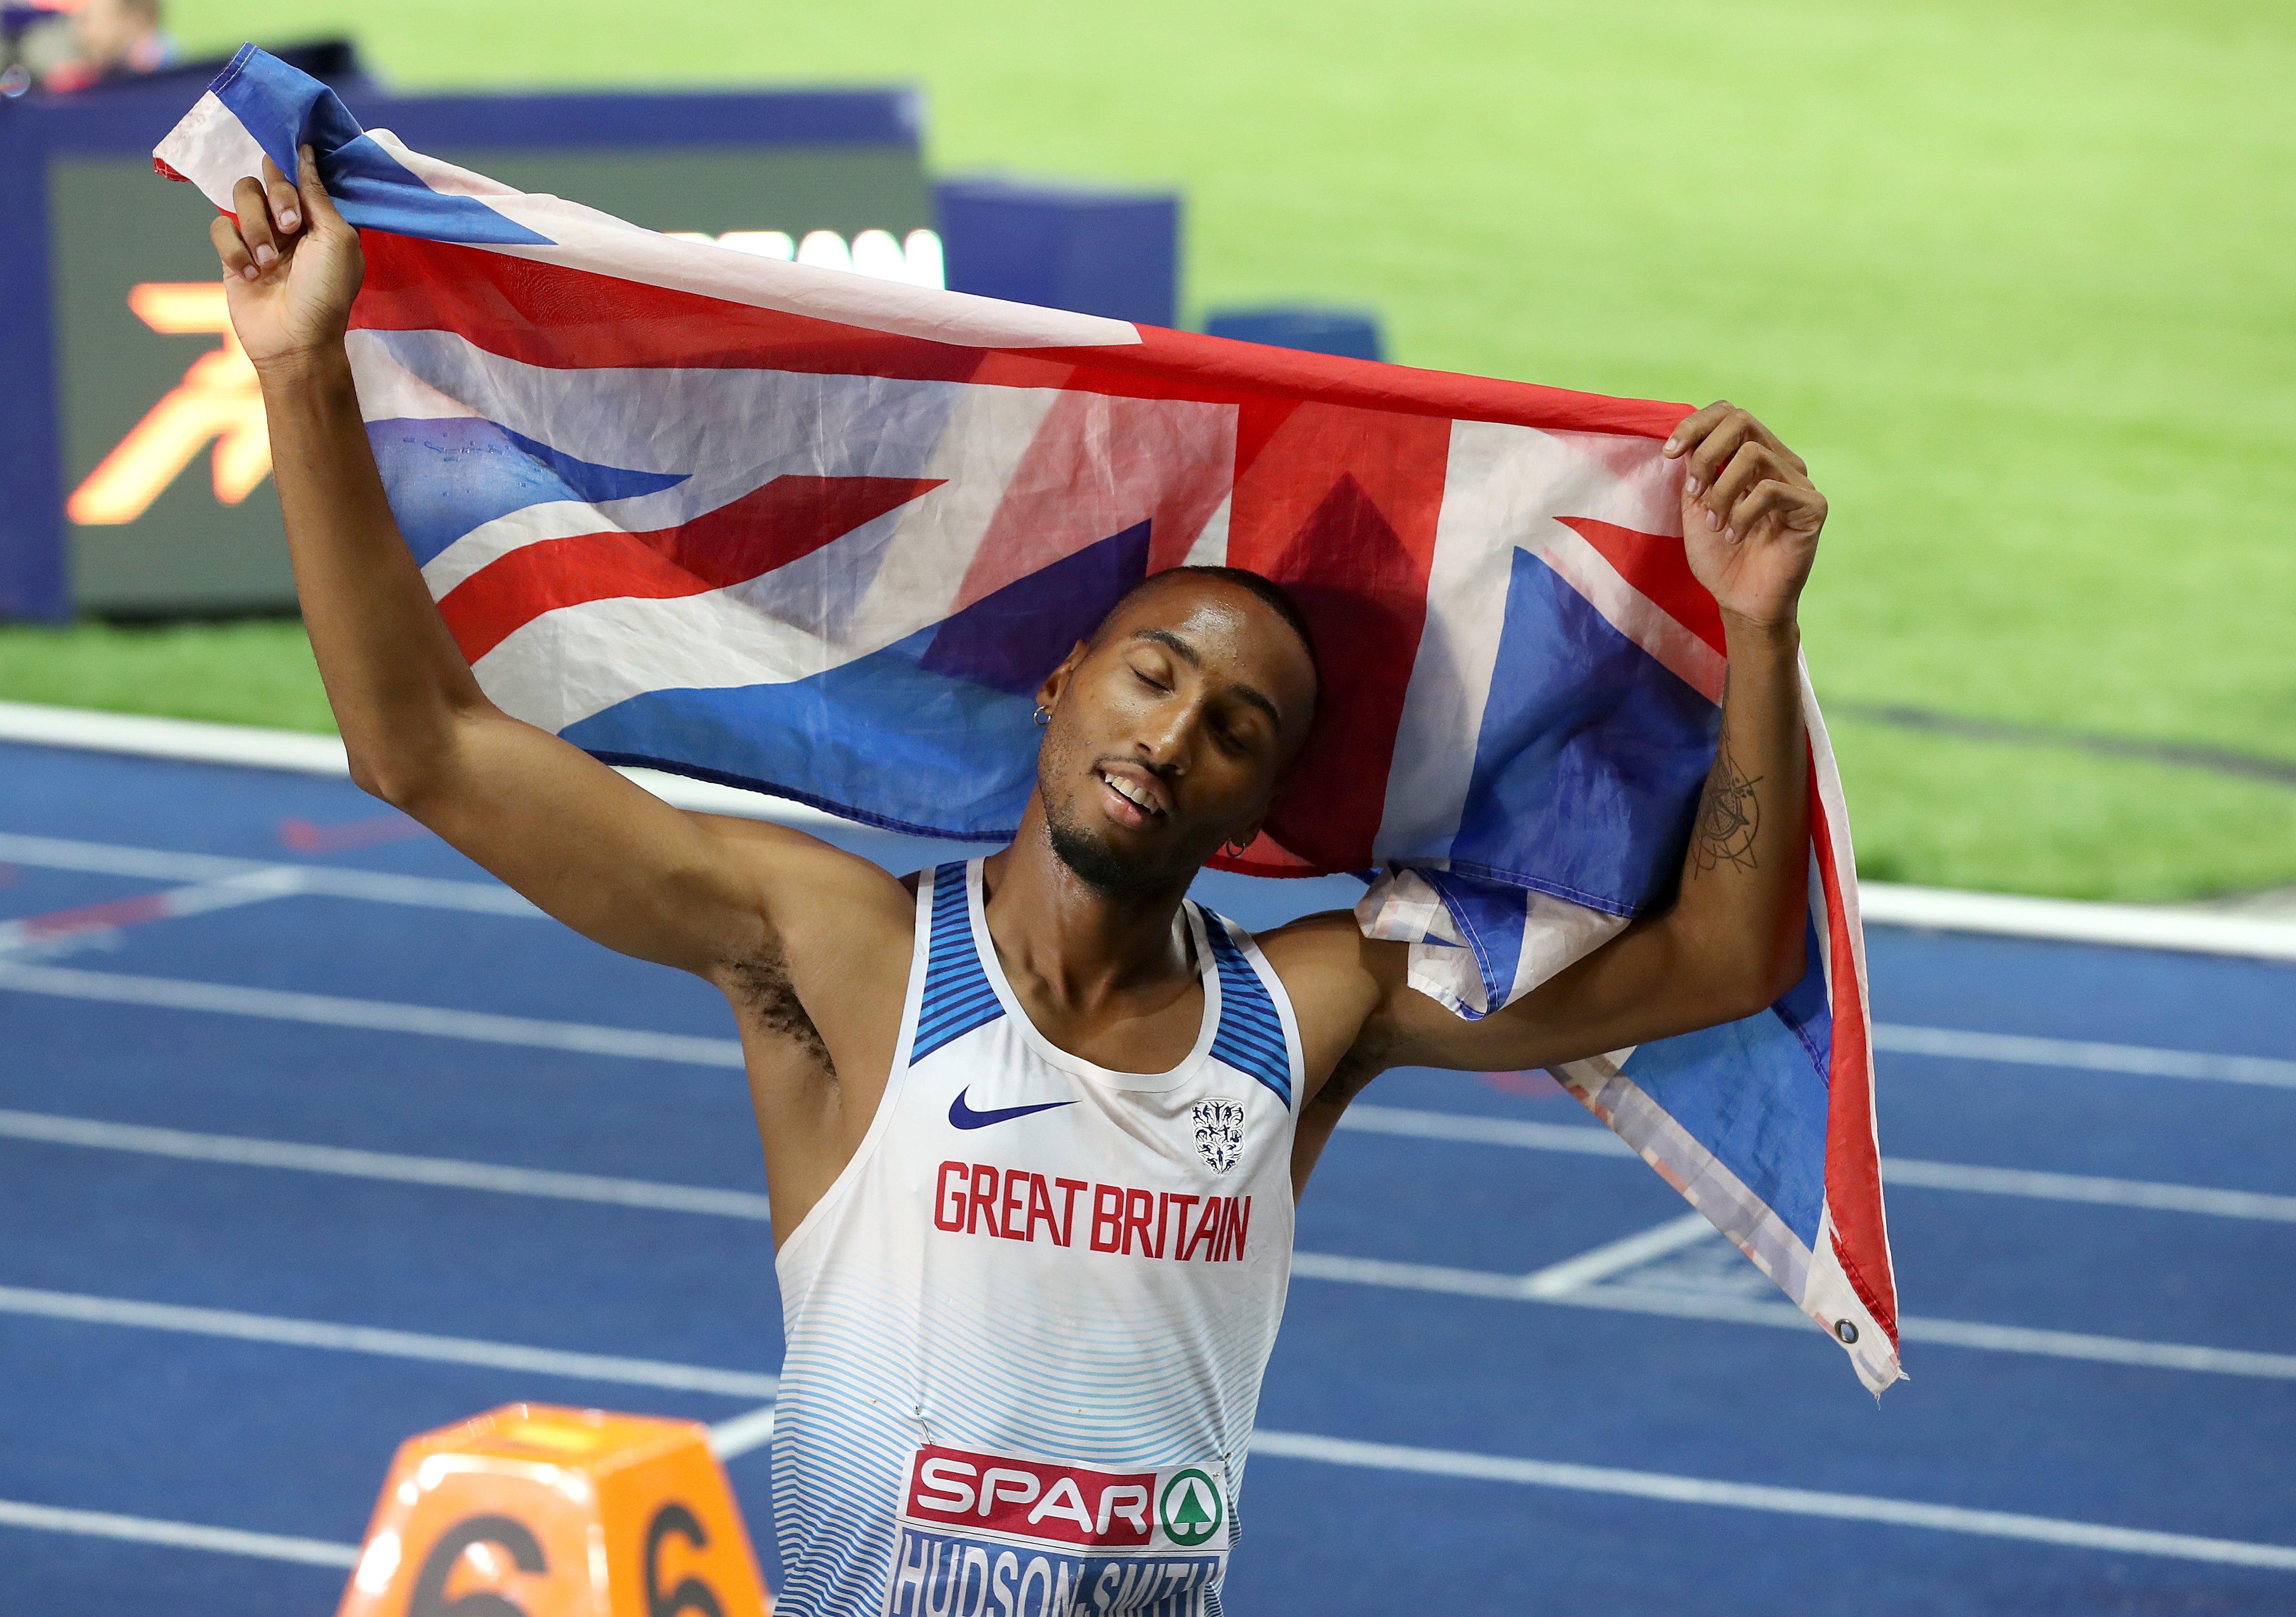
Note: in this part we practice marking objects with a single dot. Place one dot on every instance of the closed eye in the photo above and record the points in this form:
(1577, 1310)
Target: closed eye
(1241, 742)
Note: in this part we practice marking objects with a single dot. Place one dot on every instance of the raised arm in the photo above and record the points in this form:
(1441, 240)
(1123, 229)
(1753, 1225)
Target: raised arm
(697, 892)
(1731, 941)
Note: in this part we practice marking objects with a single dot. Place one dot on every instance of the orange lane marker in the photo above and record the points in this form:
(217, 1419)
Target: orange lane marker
(534, 1511)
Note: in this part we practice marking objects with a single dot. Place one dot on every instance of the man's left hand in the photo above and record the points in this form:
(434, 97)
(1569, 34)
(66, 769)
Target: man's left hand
(1751, 515)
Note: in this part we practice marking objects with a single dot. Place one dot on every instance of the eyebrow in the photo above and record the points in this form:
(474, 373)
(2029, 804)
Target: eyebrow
(1187, 653)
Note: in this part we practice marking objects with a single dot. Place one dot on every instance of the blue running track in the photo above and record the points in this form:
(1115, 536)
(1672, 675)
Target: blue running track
(2092, 1208)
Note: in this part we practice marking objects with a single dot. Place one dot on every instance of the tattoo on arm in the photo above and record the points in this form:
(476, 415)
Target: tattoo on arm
(1729, 816)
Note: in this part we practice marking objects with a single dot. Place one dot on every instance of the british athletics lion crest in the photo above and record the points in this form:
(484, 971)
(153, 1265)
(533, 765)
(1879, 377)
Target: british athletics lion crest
(1219, 1133)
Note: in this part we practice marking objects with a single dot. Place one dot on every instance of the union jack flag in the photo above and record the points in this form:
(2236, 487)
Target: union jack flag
(794, 529)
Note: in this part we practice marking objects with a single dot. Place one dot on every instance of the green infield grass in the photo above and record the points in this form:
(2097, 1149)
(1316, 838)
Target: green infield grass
(2014, 277)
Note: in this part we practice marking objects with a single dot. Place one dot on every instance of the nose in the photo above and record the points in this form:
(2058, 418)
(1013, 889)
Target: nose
(1167, 736)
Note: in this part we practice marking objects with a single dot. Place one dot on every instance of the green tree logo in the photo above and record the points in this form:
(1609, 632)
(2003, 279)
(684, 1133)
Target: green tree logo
(1192, 1508)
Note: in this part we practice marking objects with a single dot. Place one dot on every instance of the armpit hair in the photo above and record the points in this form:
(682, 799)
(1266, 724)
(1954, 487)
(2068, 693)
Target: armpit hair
(764, 990)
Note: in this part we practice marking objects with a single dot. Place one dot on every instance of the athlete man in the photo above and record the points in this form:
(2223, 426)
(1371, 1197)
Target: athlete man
(1033, 1126)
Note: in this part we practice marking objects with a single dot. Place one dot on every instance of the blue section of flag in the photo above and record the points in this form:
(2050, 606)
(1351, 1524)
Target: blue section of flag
(1030, 625)
(1589, 760)
(923, 731)
(451, 475)
(1489, 915)
(923, 716)
(284, 108)
(1753, 1093)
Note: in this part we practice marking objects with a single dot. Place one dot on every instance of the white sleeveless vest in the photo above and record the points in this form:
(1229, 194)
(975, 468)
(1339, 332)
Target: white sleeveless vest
(1026, 1325)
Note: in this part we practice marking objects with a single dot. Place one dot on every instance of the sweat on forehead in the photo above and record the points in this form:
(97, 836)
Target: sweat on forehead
(1202, 581)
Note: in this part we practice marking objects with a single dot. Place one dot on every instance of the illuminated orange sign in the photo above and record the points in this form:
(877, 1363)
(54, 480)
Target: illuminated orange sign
(219, 401)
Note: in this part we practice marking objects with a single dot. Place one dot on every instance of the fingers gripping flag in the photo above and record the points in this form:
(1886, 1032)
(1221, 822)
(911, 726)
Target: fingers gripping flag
(823, 535)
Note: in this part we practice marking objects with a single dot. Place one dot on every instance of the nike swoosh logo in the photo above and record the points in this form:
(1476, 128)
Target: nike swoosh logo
(962, 1116)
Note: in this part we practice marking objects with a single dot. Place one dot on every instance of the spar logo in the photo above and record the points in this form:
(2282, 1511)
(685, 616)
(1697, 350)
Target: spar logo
(1191, 1509)
(1078, 1504)
(1003, 1535)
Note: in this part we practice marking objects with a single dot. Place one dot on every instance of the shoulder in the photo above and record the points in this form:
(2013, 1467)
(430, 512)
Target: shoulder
(1330, 943)
(1336, 978)
(809, 888)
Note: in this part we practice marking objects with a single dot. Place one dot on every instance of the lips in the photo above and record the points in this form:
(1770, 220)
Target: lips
(1137, 801)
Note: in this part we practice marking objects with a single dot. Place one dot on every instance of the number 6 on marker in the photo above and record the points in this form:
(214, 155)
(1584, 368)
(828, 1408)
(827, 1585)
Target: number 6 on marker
(429, 1596)
(690, 1596)
(530, 1511)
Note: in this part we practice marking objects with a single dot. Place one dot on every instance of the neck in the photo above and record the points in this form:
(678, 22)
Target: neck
(1083, 945)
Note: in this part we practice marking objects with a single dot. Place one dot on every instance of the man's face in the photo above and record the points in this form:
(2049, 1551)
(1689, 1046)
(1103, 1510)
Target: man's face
(1171, 731)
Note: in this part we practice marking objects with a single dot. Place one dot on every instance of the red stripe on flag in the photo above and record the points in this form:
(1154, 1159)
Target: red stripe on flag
(769, 527)
(1654, 563)
(1340, 508)
(1853, 1166)
(560, 318)
(552, 315)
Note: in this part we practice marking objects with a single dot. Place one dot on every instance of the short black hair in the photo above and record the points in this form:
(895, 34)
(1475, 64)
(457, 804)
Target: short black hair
(1277, 598)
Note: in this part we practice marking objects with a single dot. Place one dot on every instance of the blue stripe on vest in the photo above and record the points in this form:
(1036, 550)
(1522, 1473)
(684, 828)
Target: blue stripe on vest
(1250, 1037)
(956, 998)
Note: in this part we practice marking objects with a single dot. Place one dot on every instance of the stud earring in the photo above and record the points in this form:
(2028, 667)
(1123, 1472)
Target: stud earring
(1044, 716)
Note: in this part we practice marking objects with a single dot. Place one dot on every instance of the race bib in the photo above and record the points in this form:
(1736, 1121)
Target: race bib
(993, 1535)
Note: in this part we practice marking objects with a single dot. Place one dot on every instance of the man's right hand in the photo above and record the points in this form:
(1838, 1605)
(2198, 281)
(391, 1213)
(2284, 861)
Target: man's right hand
(291, 266)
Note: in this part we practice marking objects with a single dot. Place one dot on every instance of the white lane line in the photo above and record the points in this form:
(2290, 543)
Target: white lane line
(1658, 1486)
(2017, 1049)
(1625, 1297)
(1555, 1284)
(1786, 1501)
(108, 858)
(170, 993)
(2101, 1350)
(176, 1535)
(114, 859)
(1581, 1137)
(743, 1433)
(330, 881)
(2083, 1188)
(1407, 1276)
(192, 741)
(1560, 1280)
(389, 1344)
(243, 1152)
(1896, 1171)
(2076, 920)
(201, 898)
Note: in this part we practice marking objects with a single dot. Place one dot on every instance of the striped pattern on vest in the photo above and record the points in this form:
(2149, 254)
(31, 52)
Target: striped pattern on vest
(958, 998)
(1250, 1037)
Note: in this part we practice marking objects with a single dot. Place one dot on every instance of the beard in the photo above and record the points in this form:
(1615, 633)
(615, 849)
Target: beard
(1095, 863)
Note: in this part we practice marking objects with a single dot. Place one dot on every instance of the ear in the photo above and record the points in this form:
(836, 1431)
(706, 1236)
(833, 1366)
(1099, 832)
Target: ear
(1048, 694)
